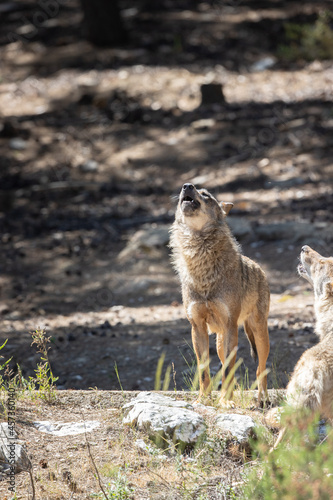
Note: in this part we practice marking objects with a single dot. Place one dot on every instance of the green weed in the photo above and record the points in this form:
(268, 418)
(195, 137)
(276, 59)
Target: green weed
(299, 468)
(44, 379)
(42, 385)
(308, 41)
(4, 369)
(118, 377)
(158, 375)
(118, 488)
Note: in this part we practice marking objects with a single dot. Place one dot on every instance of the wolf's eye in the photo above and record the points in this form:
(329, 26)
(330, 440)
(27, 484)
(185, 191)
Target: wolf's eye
(205, 195)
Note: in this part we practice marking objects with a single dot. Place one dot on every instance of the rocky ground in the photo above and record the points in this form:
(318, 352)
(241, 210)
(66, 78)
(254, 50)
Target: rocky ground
(94, 147)
(64, 459)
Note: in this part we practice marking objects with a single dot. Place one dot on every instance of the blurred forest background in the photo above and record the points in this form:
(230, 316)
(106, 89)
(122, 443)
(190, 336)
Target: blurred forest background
(106, 109)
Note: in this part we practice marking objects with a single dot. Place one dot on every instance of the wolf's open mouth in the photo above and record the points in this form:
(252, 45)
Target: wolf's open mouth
(187, 198)
(189, 204)
(301, 268)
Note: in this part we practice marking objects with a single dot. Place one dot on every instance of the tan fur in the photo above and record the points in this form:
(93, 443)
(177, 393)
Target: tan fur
(221, 288)
(311, 385)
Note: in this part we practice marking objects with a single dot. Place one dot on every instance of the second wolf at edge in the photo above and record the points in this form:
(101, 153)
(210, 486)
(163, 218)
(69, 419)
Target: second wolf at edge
(311, 385)
(221, 288)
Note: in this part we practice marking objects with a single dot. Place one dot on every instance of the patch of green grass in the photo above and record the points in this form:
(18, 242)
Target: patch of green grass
(42, 385)
(189, 376)
(44, 379)
(158, 375)
(109, 470)
(308, 41)
(118, 489)
(300, 467)
(192, 375)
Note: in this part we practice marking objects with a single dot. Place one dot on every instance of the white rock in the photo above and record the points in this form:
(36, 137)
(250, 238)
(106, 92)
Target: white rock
(89, 166)
(141, 445)
(148, 449)
(203, 124)
(11, 449)
(240, 426)
(66, 428)
(264, 63)
(164, 418)
(145, 240)
(7, 432)
(18, 144)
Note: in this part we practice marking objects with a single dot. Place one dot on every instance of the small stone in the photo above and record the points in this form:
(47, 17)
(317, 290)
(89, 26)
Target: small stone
(8, 445)
(106, 325)
(148, 449)
(264, 63)
(67, 476)
(241, 427)
(203, 124)
(139, 443)
(89, 166)
(4, 309)
(18, 144)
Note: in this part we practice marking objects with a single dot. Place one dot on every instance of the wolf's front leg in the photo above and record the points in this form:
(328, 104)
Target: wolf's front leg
(200, 342)
(226, 349)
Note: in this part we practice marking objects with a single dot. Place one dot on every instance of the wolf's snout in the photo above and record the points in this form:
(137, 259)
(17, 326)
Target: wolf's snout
(188, 199)
(188, 187)
(187, 193)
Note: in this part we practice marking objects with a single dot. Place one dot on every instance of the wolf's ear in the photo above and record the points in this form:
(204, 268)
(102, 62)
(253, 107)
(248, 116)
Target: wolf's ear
(226, 206)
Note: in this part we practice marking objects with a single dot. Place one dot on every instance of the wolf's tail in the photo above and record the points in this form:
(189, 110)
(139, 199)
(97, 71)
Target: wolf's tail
(250, 336)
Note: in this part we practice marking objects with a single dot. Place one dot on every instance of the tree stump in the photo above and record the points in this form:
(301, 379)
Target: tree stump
(211, 93)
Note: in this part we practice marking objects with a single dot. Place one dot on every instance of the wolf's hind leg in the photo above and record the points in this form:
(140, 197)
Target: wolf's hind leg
(257, 332)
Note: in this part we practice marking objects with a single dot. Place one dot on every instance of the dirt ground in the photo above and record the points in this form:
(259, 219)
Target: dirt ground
(95, 145)
(64, 466)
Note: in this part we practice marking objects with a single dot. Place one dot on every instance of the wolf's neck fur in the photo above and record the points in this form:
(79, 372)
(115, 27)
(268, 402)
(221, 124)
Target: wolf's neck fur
(200, 257)
(324, 317)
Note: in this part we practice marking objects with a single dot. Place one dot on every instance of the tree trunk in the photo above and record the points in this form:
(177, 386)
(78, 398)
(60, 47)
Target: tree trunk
(102, 22)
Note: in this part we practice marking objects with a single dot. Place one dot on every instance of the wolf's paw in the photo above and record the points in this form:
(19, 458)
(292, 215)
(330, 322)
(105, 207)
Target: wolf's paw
(273, 417)
(264, 403)
(203, 399)
(226, 404)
